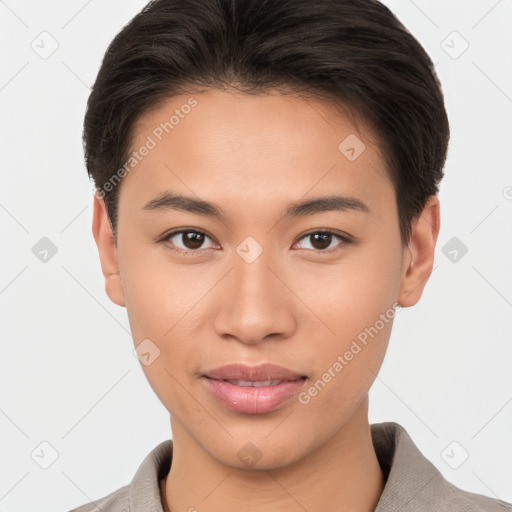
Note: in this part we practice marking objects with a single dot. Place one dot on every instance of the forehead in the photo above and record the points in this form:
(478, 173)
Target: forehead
(220, 144)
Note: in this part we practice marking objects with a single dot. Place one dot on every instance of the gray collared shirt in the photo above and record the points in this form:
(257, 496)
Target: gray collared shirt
(412, 482)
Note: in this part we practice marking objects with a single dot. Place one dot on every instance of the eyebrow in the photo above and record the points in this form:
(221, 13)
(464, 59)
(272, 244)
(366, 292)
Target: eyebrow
(169, 201)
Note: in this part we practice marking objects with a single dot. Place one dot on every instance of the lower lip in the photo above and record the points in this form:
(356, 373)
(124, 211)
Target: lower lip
(252, 399)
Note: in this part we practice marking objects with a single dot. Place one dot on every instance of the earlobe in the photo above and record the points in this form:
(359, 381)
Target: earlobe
(102, 232)
(418, 257)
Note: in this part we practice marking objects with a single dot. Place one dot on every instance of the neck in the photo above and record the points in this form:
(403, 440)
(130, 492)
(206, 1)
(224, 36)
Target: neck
(343, 474)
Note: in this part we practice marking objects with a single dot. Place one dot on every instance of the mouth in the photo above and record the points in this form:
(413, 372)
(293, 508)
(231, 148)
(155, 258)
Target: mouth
(245, 375)
(257, 383)
(253, 390)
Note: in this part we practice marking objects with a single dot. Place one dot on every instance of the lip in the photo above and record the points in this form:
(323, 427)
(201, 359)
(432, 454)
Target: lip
(241, 371)
(252, 399)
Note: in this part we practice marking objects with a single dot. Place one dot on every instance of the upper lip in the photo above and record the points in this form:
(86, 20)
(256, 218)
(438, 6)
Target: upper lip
(241, 371)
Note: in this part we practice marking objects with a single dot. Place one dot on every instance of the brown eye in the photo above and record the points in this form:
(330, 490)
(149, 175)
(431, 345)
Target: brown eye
(322, 240)
(186, 240)
(192, 239)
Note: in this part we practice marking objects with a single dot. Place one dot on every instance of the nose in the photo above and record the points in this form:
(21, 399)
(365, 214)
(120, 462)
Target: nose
(254, 302)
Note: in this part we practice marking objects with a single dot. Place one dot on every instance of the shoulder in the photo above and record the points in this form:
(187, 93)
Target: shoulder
(117, 501)
(414, 484)
(143, 492)
(464, 501)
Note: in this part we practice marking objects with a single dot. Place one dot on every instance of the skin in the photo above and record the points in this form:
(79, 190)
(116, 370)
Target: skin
(253, 156)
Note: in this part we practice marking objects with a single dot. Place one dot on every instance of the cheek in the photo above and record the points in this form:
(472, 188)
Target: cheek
(346, 367)
(350, 295)
(159, 295)
(165, 311)
(354, 305)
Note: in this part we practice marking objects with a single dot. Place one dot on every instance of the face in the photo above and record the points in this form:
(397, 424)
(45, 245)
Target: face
(296, 260)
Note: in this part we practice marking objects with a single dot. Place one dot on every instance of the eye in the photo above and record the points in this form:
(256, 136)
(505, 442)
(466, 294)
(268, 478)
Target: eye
(186, 240)
(322, 240)
(189, 241)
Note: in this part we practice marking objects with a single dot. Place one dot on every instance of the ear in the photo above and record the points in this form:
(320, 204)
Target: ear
(418, 258)
(102, 232)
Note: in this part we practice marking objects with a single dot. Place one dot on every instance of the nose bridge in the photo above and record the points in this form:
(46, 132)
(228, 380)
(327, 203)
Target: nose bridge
(253, 304)
(252, 280)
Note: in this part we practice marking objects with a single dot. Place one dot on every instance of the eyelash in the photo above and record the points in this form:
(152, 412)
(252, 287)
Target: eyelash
(344, 238)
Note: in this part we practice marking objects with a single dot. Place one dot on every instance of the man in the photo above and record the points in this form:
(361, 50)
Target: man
(267, 175)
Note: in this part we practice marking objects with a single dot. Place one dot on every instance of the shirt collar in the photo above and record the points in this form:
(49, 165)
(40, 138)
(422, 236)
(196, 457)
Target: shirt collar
(144, 489)
(412, 482)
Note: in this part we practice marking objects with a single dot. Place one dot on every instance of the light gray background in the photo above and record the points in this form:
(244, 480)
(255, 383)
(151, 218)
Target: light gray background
(68, 374)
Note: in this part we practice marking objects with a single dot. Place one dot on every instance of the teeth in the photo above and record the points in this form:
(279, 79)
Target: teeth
(257, 384)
